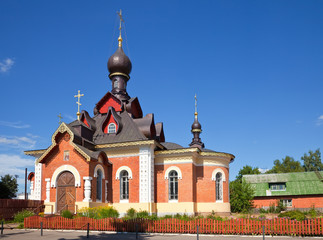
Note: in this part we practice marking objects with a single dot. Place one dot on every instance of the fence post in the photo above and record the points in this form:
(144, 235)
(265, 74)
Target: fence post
(263, 232)
(88, 230)
(197, 232)
(1, 227)
(41, 228)
(136, 230)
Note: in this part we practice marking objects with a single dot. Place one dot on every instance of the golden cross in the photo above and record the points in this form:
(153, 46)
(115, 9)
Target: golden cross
(195, 105)
(79, 95)
(60, 118)
(121, 20)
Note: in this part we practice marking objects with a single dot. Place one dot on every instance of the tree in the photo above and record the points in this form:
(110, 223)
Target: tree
(241, 196)
(288, 164)
(8, 187)
(312, 161)
(247, 170)
(241, 192)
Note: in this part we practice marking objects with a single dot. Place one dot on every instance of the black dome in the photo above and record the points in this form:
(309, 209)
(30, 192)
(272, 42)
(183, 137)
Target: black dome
(196, 125)
(119, 62)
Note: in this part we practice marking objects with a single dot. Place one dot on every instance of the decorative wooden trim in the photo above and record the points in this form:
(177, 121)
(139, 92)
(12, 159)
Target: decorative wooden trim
(35, 152)
(61, 129)
(183, 150)
(127, 144)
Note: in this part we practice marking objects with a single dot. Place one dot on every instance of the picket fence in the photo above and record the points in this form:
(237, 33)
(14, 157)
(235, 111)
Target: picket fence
(277, 226)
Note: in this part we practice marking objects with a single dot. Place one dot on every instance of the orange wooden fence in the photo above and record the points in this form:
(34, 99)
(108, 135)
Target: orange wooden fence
(278, 226)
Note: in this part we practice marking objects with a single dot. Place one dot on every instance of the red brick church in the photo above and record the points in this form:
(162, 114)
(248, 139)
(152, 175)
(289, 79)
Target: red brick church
(119, 157)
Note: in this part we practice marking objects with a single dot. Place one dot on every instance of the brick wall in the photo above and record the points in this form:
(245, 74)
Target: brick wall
(133, 164)
(306, 201)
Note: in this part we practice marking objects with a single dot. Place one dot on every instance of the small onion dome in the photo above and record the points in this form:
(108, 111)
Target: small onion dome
(119, 63)
(196, 126)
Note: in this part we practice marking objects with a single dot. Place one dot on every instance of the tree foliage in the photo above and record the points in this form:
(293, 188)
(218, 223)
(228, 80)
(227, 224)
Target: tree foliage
(8, 187)
(247, 170)
(312, 161)
(288, 164)
(241, 196)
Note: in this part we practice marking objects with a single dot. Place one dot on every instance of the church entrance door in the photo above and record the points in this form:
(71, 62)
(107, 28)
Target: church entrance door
(66, 192)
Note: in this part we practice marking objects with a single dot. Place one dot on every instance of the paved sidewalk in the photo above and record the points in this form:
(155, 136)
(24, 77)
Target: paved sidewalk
(81, 235)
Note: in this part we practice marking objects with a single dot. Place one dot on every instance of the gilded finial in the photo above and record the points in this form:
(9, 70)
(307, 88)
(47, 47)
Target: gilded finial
(195, 107)
(60, 118)
(78, 96)
(120, 27)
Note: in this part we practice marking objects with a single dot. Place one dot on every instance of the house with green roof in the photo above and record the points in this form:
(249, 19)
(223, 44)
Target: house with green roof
(301, 190)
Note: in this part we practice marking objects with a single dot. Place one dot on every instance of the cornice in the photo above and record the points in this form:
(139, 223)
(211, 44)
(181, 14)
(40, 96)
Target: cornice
(177, 151)
(128, 144)
(35, 152)
(218, 154)
(197, 151)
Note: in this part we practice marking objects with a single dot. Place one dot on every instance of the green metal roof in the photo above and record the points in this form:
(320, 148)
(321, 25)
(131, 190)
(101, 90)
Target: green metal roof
(297, 183)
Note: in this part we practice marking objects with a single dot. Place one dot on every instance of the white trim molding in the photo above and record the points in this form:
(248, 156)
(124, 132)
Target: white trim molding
(120, 169)
(215, 171)
(69, 168)
(179, 172)
(97, 167)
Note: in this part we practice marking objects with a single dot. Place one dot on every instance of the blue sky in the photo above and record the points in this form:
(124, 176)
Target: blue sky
(256, 67)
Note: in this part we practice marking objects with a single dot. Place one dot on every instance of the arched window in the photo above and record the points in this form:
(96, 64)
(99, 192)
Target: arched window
(124, 185)
(112, 128)
(99, 185)
(218, 187)
(173, 185)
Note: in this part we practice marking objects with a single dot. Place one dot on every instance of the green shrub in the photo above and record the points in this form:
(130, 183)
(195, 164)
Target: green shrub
(107, 212)
(262, 210)
(21, 226)
(20, 216)
(214, 217)
(131, 213)
(143, 214)
(295, 214)
(67, 214)
(313, 213)
(153, 217)
(272, 208)
(280, 206)
(98, 212)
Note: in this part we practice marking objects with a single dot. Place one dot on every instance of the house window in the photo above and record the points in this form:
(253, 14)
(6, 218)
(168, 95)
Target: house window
(99, 185)
(173, 185)
(112, 128)
(124, 185)
(287, 202)
(277, 186)
(66, 155)
(218, 187)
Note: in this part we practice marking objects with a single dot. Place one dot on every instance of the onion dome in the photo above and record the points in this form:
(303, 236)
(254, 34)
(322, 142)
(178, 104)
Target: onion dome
(196, 126)
(119, 63)
(196, 130)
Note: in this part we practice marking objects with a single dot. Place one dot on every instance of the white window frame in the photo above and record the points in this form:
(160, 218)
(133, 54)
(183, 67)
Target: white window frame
(121, 186)
(170, 182)
(219, 187)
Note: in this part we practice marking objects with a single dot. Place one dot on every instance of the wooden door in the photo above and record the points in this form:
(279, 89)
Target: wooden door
(66, 192)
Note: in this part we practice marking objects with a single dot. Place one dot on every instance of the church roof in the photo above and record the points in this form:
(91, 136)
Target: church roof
(170, 145)
(129, 131)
